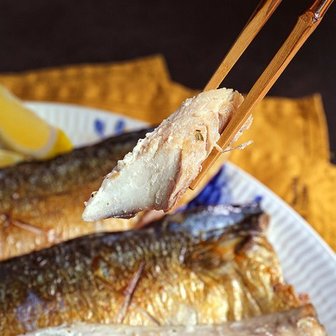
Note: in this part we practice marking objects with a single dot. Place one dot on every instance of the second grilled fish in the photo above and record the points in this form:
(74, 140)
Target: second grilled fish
(203, 266)
(41, 202)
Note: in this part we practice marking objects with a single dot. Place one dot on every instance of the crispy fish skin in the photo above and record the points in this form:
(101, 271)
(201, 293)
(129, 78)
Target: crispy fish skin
(41, 202)
(301, 321)
(207, 265)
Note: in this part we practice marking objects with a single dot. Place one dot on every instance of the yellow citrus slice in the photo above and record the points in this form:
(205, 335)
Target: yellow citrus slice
(21, 130)
(8, 158)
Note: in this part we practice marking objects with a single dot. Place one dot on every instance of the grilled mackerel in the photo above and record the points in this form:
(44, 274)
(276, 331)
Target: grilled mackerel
(204, 266)
(41, 202)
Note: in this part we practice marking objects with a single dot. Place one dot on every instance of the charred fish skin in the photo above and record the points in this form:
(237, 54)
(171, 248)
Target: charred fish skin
(41, 202)
(165, 274)
(295, 322)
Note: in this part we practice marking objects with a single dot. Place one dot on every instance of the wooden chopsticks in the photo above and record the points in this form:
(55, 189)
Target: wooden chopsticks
(304, 27)
(258, 19)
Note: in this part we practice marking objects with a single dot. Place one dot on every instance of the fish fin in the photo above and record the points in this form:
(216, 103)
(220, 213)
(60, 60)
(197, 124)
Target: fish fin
(129, 292)
(8, 220)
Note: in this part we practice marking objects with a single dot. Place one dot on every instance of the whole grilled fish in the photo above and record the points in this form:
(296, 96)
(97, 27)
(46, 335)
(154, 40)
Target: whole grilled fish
(204, 266)
(41, 202)
(295, 322)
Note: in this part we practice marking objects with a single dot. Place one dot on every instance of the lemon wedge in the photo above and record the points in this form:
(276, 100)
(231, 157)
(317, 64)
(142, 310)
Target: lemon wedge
(8, 158)
(22, 131)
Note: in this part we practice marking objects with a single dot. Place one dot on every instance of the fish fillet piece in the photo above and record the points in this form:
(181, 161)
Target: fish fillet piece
(207, 265)
(163, 164)
(296, 322)
(41, 202)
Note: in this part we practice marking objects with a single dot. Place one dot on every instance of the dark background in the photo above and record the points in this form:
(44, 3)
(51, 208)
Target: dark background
(192, 35)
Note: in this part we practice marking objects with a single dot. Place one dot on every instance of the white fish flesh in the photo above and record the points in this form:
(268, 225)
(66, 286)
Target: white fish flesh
(163, 164)
(296, 322)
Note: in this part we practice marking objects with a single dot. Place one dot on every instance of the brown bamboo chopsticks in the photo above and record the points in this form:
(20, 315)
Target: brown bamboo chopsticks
(304, 27)
(258, 19)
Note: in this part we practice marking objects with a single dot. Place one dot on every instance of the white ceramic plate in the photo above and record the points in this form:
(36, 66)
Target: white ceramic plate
(308, 263)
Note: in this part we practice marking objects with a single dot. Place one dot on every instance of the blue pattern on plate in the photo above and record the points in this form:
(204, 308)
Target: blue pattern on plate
(99, 127)
(258, 199)
(119, 126)
(214, 193)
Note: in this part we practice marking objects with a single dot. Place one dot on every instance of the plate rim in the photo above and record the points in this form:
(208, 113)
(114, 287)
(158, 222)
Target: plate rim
(32, 103)
(288, 208)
